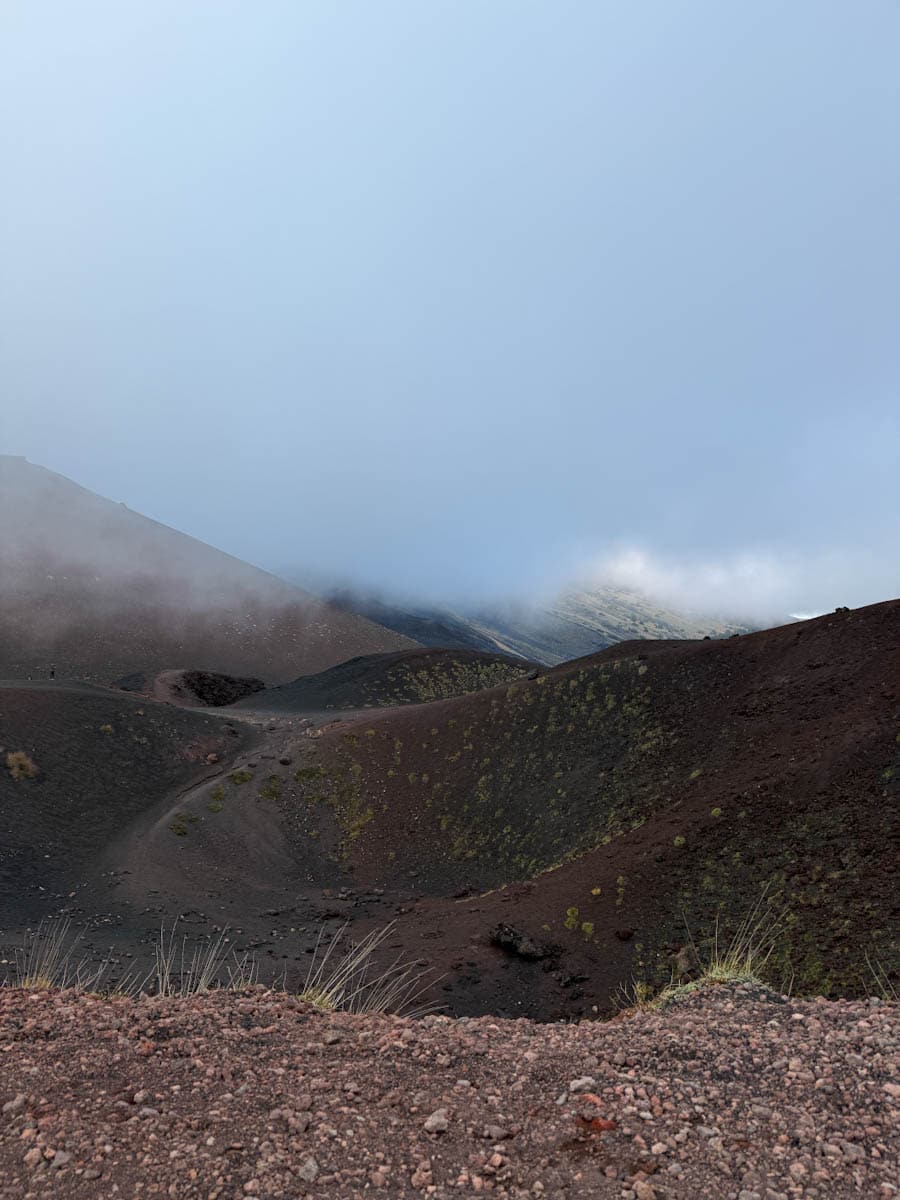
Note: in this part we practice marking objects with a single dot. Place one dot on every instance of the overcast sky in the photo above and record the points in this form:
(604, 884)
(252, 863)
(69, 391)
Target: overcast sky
(467, 298)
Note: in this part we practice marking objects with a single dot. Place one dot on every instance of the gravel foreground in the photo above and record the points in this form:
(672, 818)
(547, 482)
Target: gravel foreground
(732, 1093)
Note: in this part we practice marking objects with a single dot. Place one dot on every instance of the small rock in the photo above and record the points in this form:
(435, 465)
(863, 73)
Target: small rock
(585, 1083)
(438, 1122)
(308, 1170)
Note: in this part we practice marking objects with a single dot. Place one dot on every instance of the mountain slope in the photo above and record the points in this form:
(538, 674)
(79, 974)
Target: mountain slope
(579, 622)
(99, 591)
(641, 787)
(84, 762)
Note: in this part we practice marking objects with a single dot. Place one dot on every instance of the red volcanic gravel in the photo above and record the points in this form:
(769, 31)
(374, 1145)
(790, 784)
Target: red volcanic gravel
(732, 1094)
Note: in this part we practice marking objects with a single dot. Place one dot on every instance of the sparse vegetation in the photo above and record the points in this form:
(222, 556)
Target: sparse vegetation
(271, 789)
(21, 766)
(49, 959)
(743, 958)
(182, 823)
(445, 680)
(45, 959)
(239, 777)
(885, 988)
(343, 977)
(178, 974)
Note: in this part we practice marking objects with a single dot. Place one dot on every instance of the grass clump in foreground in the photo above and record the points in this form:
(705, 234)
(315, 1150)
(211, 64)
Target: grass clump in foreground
(885, 989)
(343, 978)
(49, 959)
(177, 974)
(743, 958)
(45, 959)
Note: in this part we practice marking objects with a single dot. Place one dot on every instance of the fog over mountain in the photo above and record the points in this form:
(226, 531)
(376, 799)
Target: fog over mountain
(91, 590)
(472, 303)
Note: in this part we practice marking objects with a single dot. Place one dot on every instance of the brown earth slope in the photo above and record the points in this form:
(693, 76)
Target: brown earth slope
(634, 792)
(97, 591)
(732, 1094)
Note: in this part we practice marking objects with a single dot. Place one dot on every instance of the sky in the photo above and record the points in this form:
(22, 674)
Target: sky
(468, 299)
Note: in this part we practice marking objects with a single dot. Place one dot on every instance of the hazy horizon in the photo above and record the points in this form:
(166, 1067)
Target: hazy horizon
(468, 302)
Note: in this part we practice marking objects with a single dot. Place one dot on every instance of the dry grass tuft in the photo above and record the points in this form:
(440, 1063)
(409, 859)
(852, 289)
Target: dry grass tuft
(48, 959)
(21, 766)
(884, 985)
(743, 958)
(210, 966)
(344, 978)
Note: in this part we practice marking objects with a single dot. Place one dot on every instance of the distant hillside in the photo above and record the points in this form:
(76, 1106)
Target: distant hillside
(385, 680)
(99, 592)
(579, 622)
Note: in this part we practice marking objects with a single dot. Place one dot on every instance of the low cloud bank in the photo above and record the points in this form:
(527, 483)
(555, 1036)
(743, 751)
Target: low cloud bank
(760, 587)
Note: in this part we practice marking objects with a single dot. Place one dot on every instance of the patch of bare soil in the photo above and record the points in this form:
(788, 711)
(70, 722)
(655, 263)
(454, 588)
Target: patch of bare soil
(732, 1093)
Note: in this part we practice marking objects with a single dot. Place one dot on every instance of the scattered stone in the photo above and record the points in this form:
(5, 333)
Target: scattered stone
(244, 1095)
(585, 1083)
(522, 945)
(438, 1122)
(308, 1170)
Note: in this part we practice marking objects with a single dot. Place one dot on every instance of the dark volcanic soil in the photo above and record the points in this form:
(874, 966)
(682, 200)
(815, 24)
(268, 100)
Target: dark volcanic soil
(385, 680)
(102, 759)
(635, 792)
(540, 844)
(192, 689)
(732, 1094)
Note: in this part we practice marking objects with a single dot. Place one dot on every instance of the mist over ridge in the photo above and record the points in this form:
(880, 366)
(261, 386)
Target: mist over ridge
(470, 304)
